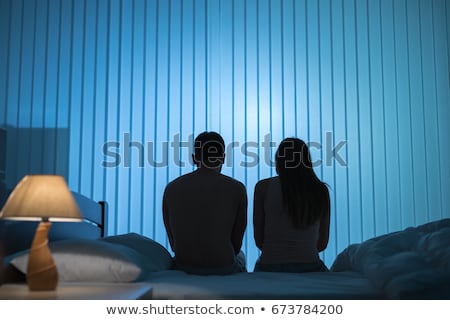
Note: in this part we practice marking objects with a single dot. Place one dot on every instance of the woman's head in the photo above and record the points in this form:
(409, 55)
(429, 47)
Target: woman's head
(292, 154)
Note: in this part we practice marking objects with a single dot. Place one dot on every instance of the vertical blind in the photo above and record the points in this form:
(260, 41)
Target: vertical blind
(111, 93)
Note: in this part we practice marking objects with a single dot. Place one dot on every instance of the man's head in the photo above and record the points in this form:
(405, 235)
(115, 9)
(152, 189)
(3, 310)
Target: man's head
(209, 151)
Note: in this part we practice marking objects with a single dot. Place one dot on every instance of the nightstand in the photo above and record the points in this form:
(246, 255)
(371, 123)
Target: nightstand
(79, 291)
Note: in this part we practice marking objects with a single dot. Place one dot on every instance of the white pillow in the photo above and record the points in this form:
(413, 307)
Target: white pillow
(155, 256)
(83, 260)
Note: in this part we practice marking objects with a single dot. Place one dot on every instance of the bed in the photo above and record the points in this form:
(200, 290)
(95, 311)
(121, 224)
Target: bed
(409, 264)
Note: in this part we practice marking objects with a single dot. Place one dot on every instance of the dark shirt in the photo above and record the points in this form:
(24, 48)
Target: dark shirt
(276, 236)
(205, 215)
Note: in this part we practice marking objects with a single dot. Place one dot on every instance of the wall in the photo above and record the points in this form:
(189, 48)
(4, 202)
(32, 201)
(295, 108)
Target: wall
(366, 82)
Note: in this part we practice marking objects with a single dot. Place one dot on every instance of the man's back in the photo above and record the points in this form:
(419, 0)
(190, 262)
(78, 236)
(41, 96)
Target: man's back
(205, 214)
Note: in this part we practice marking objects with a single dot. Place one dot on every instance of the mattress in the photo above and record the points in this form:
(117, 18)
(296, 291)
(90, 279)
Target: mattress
(178, 285)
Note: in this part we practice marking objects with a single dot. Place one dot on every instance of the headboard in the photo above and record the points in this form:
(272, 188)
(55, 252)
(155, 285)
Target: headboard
(18, 235)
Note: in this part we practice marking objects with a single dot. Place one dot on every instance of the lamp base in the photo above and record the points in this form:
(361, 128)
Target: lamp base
(42, 274)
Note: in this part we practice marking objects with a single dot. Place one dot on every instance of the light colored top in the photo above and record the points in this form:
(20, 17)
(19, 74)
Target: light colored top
(275, 234)
(205, 215)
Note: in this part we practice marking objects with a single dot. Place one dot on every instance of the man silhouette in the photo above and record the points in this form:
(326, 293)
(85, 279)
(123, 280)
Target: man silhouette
(205, 213)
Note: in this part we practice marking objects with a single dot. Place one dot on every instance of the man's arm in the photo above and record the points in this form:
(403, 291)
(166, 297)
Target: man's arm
(324, 229)
(241, 223)
(258, 213)
(166, 220)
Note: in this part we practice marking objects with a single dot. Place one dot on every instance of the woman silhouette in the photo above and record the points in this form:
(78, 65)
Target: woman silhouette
(291, 213)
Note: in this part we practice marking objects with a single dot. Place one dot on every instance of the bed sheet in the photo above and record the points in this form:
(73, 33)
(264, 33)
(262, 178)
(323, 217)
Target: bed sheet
(178, 285)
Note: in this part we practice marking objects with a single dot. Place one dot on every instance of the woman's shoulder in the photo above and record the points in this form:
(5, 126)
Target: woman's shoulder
(262, 184)
(324, 188)
(266, 180)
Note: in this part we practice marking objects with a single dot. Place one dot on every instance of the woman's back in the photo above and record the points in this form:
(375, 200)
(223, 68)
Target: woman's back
(283, 242)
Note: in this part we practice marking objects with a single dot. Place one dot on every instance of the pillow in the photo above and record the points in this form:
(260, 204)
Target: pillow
(90, 260)
(155, 256)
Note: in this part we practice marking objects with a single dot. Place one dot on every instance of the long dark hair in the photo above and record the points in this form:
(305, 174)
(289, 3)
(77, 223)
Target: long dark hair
(304, 196)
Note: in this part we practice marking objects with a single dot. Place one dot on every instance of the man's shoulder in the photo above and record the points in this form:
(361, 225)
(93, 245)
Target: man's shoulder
(179, 180)
(233, 182)
(193, 178)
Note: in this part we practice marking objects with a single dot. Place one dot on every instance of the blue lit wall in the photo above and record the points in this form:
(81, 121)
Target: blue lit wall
(365, 81)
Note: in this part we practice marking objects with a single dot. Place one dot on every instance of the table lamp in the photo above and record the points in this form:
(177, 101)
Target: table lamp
(43, 198)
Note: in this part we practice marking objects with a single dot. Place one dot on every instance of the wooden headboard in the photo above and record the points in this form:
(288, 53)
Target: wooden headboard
(18, 235)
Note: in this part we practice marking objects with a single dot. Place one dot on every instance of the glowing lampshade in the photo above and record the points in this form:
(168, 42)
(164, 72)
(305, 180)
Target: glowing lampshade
(45, 198)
